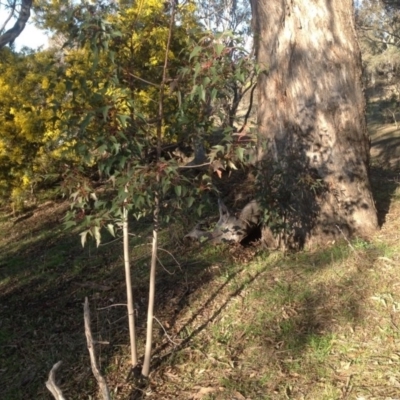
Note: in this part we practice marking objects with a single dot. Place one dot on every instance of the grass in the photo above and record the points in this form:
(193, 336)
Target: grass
(242, 323)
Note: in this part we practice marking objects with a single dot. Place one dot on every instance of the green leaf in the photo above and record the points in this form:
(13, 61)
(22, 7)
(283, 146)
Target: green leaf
(122, 161)
(178, 190)
(86, 121)
(240, 153)
(218, 48)
(123, 119)
(111, 54)
(105, 110)
(195, 52)
(69, 224)
(200, 210)
(193, 92)
(202, 93)
(206, 81)
(99, 204)
(101, 149)
(189, 201)
(214, 93)
(219, 148)
(165, 186)
(116, 147)
(197, 69)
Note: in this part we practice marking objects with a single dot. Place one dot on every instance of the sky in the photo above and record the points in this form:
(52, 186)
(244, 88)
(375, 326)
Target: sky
(31, 37)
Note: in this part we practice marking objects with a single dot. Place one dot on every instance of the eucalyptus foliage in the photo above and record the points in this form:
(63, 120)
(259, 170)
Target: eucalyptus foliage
(112, 86)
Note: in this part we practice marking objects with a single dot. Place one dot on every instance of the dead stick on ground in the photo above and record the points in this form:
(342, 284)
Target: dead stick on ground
(347, 240)
(89, 339)
(51, 383)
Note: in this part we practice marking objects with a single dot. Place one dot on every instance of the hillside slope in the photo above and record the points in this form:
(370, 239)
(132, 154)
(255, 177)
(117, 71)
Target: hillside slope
(232, 323)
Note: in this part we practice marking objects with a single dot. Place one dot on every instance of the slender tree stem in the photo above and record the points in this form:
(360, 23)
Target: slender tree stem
(150, 312)
(129, 295)
(152, 290)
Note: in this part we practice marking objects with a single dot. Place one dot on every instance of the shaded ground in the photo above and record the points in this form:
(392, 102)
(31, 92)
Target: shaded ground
(384, 130)
(44, 278)
(385, 149)
(241, 323)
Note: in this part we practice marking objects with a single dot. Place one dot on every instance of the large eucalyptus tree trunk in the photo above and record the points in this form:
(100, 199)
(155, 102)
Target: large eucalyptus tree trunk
(312, 129)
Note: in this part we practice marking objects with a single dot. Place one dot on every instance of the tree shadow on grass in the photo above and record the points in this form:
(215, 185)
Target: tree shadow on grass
(42, 320)
(310, 312)
(386, 151)
(385, 156)
(384, 182)
(307, 313)
(44, 280)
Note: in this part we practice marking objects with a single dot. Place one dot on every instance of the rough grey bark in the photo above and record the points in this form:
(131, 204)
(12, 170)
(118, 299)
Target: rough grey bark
(311, 115)
(11, 34)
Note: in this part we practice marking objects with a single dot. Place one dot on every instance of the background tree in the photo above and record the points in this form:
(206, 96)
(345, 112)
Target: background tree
(225, 16)
(311, 119)
(31, 147)
(112, 112)
(379, 28)
(19, 11)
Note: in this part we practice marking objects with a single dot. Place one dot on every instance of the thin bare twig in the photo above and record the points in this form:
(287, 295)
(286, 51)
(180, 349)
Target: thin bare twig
(194, 166)
(165, 332)
(51, 383)
(112, 241)
(165, 269)
(249, 108)
(102, 342)
(144, 80)
(166, 251)
(112, 305)
(346, 239)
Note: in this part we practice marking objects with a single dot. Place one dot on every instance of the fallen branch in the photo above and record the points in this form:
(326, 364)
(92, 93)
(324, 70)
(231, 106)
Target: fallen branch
(51, 383)
(89, 339)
